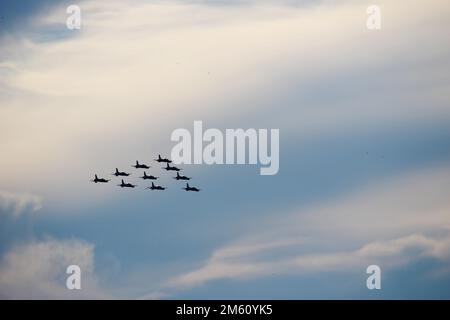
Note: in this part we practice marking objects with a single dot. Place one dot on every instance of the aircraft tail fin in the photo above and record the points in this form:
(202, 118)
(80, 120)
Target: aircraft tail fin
(96, 177)
(123, 182)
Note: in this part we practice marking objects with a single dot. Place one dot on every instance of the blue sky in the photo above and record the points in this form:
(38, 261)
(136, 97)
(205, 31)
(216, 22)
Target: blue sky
(364, 149)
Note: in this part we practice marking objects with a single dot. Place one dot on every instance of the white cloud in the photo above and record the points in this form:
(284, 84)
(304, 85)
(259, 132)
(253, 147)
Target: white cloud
(37, 270)
(138, 69)
(389, 253)
(390, 224)
(19, 203)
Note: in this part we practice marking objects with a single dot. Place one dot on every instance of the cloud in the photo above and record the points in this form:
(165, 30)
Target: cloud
(389, 253)
(19, 203)
(37, 270)
(390, 224)
(137, 70)
(140, 62)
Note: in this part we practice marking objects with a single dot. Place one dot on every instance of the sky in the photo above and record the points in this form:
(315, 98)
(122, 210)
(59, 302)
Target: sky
(364, 174)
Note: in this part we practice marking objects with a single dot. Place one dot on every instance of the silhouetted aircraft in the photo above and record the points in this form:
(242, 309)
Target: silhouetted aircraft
(191, 188)
(141, 166)
(162, 159)
(97, 179)
(153, 187)
(145, 177)
(120, 173)
(169, 168)
(178, 177)
(126, 185)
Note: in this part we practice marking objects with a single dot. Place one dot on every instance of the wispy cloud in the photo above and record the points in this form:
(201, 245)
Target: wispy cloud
(19, 203)
(389, 253)
(137, 70)
(390, 224)
(173, 61)
(38, 270)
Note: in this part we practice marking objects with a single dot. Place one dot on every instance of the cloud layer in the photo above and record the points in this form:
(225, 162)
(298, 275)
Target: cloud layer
(136, 72)
(390, 224)
(37, 270)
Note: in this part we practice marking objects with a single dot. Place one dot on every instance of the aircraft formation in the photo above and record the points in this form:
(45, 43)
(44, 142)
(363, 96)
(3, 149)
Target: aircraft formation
(168, 167)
